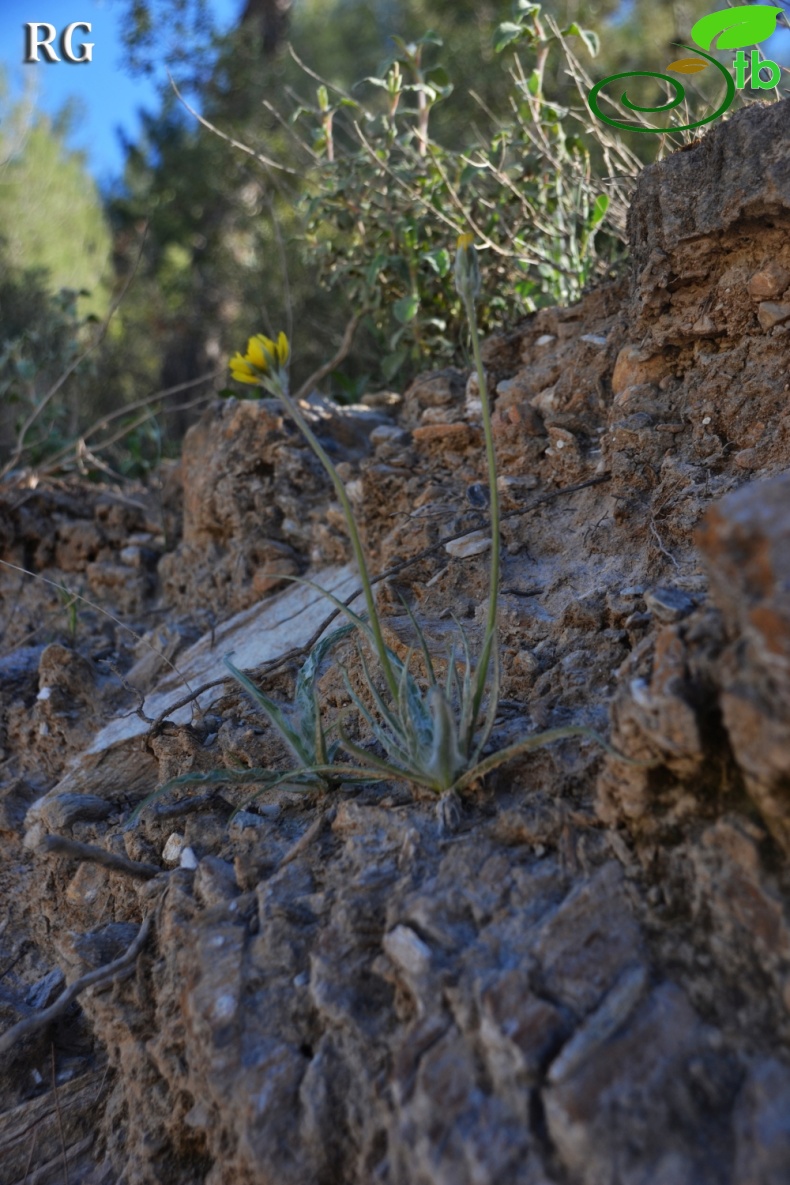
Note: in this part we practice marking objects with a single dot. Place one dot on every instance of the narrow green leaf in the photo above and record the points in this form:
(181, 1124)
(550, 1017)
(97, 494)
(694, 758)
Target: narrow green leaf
(274, 714)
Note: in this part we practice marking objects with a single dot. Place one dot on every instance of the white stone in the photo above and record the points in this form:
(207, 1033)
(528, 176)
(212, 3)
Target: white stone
(188, 859)
(593, 338)
(474, 544)
(171, 853)
(407, 951)
(544, 401)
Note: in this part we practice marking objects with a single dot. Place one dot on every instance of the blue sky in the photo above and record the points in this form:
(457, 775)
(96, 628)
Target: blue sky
(108, 95)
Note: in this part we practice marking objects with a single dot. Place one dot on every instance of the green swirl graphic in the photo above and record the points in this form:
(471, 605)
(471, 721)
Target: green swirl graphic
(680, 95)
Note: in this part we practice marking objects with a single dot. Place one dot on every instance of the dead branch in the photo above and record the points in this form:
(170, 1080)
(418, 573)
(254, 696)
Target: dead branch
(74, 850)
(32, 1024)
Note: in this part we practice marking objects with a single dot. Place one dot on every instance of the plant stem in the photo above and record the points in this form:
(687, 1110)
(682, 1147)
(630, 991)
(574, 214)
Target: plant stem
(485, 657)
(356, 542)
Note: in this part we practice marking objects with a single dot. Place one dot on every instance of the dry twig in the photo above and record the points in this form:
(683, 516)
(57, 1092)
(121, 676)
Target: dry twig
(74, 850)
(32, 1024)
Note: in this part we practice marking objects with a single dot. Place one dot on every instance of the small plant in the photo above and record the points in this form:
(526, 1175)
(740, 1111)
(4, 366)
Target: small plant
(300, 728)
(433, 737)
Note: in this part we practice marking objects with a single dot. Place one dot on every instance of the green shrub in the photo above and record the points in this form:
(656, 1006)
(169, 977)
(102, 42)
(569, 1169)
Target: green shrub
(383, 198)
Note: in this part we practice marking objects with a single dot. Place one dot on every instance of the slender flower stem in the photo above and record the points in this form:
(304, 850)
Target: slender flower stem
(490, 633)
(356, 542)
(492, 471)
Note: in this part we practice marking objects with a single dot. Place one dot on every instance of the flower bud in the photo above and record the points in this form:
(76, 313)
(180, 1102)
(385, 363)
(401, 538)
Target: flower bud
(467, 269)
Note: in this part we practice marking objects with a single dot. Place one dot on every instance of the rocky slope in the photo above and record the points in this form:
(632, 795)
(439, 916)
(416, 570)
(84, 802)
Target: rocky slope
(583, 978)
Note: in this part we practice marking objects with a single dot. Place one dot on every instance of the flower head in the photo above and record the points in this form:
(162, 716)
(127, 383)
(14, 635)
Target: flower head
(467, 269)
(264, 364)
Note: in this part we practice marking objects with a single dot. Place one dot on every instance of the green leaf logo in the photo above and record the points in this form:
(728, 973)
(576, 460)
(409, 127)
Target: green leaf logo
(747, 24)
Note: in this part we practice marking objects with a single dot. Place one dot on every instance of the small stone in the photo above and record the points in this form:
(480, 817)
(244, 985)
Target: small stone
(514, 485)
(669, 604)
(171, 853)
(515, 389)
(634, 367)
(45, 990)
(355, 490)
(594, 339)
(215, 882)
(388, 434)
(451, 436)
(407, 951)
(544, 401)
(545, 339)
(87, 886)
(704, 326)
(474, 544)
(478, 495)
(638, 621)
(131, 556)
(188, 859)
(610, 1015)
(67, 809)
(749, 459)
(642, 397)
(769, 281)
(382, 400)
(769, 313)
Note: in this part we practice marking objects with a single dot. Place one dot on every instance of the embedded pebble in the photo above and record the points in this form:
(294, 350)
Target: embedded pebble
(355, 490)
(477, 494)
(593, 338)
(188, 859)
(514, 485)
(131, 556)
(769, 313)
(669, 604)
(388, 434)
(474, 544)
(769, 281)
(44, 991)
(544, 401)
(171, 853)
(382, 400)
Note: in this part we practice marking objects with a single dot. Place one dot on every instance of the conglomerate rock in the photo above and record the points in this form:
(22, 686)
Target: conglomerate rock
(583, 980)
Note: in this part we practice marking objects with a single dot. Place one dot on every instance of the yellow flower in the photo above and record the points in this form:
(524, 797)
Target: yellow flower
(267, 355)
(264, 364)
(242, 371)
